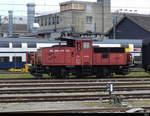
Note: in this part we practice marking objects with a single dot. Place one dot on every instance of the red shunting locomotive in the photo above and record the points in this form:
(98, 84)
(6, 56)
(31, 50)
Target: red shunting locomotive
(78, 57)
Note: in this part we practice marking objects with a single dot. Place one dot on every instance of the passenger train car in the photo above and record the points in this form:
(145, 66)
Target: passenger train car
(13, 50)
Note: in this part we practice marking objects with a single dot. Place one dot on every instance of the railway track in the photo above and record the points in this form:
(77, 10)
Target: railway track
(68, 84)
(12, 91)
(28, 90)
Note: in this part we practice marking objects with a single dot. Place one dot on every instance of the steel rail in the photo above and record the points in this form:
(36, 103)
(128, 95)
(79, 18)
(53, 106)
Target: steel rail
(69, 90)
(70, 80)
(23, 85)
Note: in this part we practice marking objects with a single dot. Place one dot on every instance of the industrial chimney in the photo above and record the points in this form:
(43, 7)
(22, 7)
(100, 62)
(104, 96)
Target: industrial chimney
(30, 15)
(10, 25)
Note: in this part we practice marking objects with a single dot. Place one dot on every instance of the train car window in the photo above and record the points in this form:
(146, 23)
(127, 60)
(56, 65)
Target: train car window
(138, 58)
(137, 46)
(86, 45)
(16, 45)
(17, 59)
(4, 59)
(31, 45)
(125, 46)
(4, 45)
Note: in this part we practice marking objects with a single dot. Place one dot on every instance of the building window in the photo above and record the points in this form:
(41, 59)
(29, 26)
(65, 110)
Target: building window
(62, 8)
(57, 19)
(16, 45)
(4, 45)
(41, 21)
(89, 19)
(17, 59)
(53, 20)
(31, 45)
(37, 20)
(45, 21)
(49, 21)
(4, 59)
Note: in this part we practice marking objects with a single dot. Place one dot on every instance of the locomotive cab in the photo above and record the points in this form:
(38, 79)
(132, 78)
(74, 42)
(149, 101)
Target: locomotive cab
(83, 50)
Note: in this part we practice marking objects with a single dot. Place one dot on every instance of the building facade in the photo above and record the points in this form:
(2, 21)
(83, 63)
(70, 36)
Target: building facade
(78, 17)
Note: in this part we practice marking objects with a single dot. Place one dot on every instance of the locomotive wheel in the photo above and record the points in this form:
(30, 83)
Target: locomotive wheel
(54, 75)
(63, 73)
(78, 76)
(59, 73)
(99, 75)
(81, 75)
(103, 72)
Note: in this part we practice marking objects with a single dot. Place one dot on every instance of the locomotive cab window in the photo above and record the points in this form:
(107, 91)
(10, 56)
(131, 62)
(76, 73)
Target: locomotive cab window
(78, 46)
(86, 45)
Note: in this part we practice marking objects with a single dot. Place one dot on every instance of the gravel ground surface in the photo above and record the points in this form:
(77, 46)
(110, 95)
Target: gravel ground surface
(41, 106)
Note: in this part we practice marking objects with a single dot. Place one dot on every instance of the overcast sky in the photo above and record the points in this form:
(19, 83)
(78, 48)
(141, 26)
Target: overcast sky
(48, 6)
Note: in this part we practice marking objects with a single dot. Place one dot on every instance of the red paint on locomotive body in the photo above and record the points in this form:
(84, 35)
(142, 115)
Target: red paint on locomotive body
(57, 56)
(80, 54)
(110, 59)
